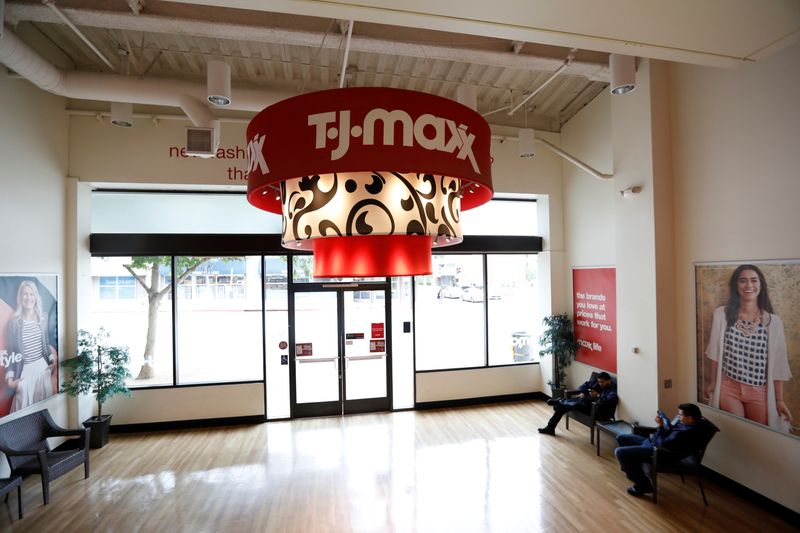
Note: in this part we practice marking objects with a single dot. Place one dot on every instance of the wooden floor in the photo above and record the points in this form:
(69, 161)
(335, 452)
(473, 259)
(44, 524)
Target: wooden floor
(475, 469)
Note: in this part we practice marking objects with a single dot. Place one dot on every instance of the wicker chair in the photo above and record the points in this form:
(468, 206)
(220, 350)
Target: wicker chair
(24, 443)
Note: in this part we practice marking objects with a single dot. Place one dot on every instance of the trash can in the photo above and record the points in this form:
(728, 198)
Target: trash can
(521, 345)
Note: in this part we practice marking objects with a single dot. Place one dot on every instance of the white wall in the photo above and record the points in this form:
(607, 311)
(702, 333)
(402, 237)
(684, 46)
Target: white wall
(615, 134)
(77, 226)
(100, 152)
(477, 383)
(589, 202)
(187, 403)
(632, 126)
(33, 151)
(736, 156)
(589, 227)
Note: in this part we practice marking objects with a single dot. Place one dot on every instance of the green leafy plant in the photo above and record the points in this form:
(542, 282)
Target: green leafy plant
(98, 368)
(558, 339)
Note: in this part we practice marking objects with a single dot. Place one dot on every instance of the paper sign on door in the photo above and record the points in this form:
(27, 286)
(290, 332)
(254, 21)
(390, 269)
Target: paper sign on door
(377, 346)
(303, 349)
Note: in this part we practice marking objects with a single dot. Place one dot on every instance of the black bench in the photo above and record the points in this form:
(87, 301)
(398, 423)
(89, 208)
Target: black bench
(24, 442)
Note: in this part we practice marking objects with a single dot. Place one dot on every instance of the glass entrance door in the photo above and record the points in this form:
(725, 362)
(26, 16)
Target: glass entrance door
(340, 358)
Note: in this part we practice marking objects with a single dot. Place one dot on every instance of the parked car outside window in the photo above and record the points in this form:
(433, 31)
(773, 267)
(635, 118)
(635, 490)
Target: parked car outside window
(472, 294)
(452, 291)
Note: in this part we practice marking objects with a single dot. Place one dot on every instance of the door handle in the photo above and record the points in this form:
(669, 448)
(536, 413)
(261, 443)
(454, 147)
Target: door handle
(364, 357)
(300, 360)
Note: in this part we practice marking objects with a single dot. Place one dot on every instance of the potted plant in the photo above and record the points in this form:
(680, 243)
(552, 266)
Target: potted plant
(558, 339)
(102, 370)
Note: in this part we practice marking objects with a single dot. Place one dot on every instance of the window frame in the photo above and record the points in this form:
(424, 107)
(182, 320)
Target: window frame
(485, 303)
(172, 245)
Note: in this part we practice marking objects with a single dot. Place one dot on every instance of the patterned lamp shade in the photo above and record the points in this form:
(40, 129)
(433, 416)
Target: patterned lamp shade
(324, 170)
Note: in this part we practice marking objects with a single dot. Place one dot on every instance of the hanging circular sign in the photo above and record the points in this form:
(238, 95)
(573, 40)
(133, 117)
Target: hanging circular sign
(377, 171)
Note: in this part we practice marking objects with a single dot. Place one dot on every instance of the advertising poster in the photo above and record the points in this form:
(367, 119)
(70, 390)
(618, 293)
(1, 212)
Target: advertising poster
(748, 341)
(594, 300)
(28, 340)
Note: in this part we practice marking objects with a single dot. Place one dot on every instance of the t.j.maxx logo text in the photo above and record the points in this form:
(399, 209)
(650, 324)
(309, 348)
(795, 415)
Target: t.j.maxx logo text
(446, 136)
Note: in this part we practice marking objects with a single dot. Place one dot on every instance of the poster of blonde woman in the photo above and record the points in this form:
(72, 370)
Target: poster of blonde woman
(28, 340)
(748, 341)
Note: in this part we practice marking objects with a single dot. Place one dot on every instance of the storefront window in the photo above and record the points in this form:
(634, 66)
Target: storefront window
(449, 309)
(219, 321)
(512, 308)
(136, 312)
(303, 272)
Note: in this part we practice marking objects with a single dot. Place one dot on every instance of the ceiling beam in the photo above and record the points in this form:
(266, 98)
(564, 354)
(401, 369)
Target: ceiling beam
(683, 31)
(16, 13)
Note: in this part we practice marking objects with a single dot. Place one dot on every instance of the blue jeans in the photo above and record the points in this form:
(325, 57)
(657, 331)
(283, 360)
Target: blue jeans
(632, 452)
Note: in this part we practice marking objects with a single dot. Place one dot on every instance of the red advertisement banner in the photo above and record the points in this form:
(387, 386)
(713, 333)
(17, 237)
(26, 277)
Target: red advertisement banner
(594, 300)
(377, 330)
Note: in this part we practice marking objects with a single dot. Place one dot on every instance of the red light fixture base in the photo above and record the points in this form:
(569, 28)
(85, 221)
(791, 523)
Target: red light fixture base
(372, 256)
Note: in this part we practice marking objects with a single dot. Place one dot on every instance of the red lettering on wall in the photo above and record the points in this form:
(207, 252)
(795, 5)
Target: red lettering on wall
(236, 152)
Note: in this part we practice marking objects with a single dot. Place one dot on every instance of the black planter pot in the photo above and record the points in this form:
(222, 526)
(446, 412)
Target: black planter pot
(100, 428)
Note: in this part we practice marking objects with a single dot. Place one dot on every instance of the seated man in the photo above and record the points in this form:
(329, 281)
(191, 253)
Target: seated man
(598, 390)
(682, 438)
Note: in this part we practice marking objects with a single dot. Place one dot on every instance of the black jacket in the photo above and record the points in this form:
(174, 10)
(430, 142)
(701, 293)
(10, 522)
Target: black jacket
(606, 402)
(682, 439)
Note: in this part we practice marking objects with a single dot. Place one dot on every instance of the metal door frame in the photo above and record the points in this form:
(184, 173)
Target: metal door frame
(341, 406)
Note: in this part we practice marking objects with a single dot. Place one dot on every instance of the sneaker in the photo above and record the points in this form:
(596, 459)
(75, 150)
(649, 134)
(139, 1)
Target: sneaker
(553, 401)
(547, 430)
(639, 491)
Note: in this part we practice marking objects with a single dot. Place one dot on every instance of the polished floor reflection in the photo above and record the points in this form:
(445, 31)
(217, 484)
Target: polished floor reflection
(476, 469)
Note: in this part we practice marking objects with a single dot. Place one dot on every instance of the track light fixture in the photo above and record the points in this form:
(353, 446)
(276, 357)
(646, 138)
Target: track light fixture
(219, 83)
(527, 137)
(623, 73)
(122, 114)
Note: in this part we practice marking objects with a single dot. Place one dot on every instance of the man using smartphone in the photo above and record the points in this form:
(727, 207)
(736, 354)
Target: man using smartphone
(634, 450)
(599, 391)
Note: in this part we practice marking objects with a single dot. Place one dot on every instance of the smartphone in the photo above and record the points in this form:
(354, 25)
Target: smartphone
(665, 418)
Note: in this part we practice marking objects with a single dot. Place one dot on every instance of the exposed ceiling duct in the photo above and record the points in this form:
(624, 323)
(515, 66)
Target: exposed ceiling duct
(23, 60)
(190, 97)
(287, 55)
